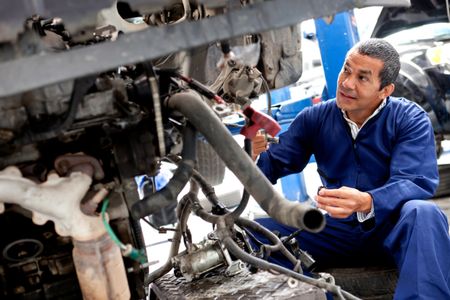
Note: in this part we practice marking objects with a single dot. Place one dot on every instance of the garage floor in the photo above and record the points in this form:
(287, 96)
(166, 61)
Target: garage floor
(444, 204)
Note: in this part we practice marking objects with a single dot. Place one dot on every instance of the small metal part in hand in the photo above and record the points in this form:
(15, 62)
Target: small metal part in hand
(273, 140)
(319, 188)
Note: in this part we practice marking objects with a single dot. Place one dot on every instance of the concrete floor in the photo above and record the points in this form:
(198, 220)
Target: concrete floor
(444, 204)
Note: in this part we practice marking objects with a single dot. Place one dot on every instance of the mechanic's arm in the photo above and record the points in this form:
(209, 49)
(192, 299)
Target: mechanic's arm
(413, 175)
(293, 151)
(413, 168)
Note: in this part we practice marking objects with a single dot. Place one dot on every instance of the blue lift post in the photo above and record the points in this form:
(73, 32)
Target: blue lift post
(293, 186)
(335, 35)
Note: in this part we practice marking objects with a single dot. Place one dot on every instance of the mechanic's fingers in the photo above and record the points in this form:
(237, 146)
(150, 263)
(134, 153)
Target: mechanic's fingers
(334, 201)
(259, 144)
(259, 139)
(343, 192)
(336, 212)
(346, 197)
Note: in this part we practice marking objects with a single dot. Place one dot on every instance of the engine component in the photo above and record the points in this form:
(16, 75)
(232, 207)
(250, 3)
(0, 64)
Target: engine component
(238, 83)
(243, 84)
(207, 256)
(22, 249)
(100, 269)
(69, 163)
(98, 262)
(41, 199)
(169, 193)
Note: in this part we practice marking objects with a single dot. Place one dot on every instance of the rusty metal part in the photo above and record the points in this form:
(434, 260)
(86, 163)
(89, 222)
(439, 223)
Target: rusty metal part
(89, 207)
(69, 163)
(100, 269)
(98, 261)
(57, 199)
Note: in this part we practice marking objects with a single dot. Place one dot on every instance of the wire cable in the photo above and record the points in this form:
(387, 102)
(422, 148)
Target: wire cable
(127, 250)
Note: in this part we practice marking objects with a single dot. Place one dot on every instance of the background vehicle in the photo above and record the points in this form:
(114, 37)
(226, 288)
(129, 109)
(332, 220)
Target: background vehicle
(421, 34)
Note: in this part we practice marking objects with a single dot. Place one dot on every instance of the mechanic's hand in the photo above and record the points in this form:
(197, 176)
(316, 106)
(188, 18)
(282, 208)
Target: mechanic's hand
(259, 144)
(342, 202)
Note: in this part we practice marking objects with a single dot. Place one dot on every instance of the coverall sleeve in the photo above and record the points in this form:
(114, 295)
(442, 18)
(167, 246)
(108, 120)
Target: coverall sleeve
(291, 154)
(413, 167)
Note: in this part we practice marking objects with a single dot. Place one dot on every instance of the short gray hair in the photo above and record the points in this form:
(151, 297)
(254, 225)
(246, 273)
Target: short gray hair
(384, 51)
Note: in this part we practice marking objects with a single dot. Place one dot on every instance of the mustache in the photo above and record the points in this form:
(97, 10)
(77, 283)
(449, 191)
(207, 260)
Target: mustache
(346, 92)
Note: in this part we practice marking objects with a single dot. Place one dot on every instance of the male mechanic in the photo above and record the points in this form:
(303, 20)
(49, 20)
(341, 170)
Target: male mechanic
(376, 158)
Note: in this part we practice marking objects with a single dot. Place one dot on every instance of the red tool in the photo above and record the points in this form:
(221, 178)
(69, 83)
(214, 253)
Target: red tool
(258, 120)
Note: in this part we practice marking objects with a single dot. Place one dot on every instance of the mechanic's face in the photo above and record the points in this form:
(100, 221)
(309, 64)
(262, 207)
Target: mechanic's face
(358, 91)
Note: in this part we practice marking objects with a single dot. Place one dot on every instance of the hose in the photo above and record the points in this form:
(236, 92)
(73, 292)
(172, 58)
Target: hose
(224, 235)
(79, 90)
(210, 194)
(245, 196)
(167, 195)
(223, 224)
(184, 211)
(277, 243)
(203, 118)
(200, 212)
(207, 189)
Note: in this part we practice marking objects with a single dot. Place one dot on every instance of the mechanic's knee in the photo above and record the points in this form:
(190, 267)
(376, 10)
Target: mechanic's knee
(422, 208)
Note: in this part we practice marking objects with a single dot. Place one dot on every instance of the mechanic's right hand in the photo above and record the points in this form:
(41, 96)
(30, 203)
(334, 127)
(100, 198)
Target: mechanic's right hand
(259, 144)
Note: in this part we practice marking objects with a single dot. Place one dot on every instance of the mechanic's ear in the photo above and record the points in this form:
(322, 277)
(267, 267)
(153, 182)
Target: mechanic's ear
(387, 91)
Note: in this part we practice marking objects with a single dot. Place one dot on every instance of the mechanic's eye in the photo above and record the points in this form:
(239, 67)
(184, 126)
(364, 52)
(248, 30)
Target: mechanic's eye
(363, 78)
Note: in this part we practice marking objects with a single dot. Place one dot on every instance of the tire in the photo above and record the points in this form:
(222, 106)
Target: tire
(209, 164)
(444, 181)
(369, 283)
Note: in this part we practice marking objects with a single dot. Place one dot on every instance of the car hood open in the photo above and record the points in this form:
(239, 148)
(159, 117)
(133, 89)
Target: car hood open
(393, 19)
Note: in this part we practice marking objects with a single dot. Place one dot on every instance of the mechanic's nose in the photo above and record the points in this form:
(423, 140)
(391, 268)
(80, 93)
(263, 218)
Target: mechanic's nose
(348, 83)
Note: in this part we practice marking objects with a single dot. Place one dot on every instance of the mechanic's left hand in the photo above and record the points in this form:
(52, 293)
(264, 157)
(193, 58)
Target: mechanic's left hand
(259, 144)
(342, 202)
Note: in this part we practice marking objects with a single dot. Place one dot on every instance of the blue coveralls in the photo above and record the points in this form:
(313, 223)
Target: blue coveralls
(392, 158)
